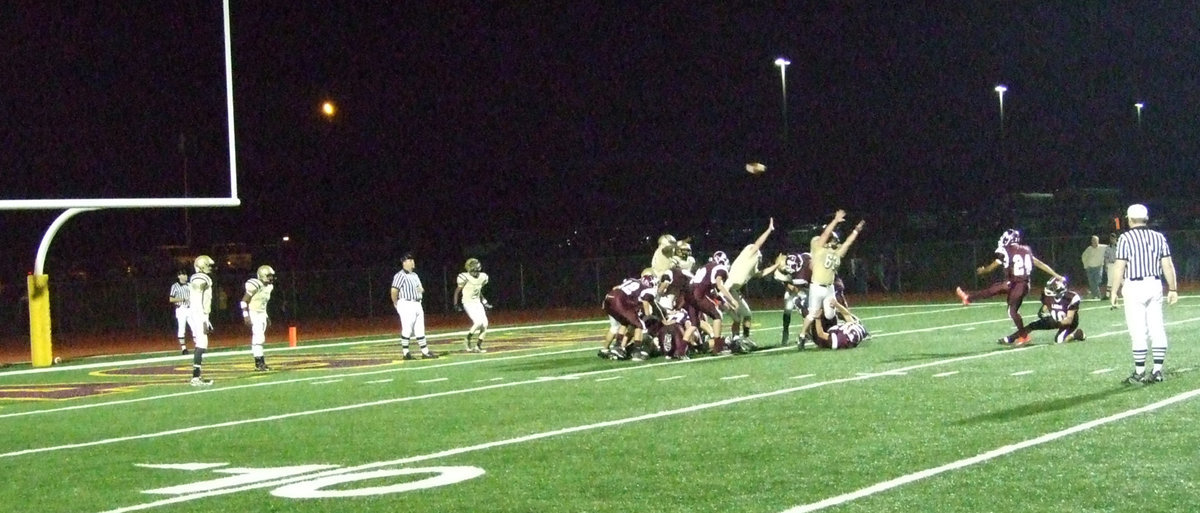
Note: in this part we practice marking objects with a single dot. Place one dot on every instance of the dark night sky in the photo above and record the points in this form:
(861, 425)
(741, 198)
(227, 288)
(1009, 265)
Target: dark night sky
(509, 115)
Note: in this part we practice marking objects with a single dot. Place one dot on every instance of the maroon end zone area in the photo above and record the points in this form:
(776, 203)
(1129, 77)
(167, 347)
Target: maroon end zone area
(15, 349)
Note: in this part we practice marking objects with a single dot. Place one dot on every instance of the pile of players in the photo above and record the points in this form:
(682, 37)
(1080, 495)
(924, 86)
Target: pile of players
(675, 308)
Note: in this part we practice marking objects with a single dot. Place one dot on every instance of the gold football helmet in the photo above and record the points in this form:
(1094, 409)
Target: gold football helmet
(266, 274)
(204, 264)
(473, 266)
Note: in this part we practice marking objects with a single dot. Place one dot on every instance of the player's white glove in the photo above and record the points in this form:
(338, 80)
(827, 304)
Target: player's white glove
(487, 305)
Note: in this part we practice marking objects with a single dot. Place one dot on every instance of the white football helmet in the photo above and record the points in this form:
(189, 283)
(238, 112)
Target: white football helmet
(1056, 287)
(204, 264)
(1011, 236)
(666, 240)
(473, 266)
(266, 274)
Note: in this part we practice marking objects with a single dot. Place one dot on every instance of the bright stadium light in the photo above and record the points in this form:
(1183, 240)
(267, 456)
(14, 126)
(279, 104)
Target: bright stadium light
(783, 63)
(1000, 92)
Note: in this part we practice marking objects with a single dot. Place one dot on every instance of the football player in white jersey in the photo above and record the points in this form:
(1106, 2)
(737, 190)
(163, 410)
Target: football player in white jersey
(199, 306)
(254, 312)
(664, 255)
(743, 268)
(470, 290)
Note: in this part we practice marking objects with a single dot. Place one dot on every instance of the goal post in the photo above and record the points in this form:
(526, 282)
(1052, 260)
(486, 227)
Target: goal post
(38, 282)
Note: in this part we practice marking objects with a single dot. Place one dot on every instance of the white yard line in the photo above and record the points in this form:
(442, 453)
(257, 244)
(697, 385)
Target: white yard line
(610, 378)
(389, 380)
(944, 374)
(1102, 371)
(669, 379)
(1021, 373)
(325, 382)
(526, 438)
(434, 380)
(802, 376)
(739, 376)
(983, 457)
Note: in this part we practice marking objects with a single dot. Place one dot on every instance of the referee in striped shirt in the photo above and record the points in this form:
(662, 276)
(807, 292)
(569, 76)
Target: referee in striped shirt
(179, 298)
(406, 296)
(1143, 262)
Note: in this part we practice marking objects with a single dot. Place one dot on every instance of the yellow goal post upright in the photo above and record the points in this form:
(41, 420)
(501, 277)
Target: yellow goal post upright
(41, 349)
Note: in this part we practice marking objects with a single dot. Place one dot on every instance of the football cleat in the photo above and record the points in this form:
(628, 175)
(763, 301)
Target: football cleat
(1004, 340)
(1078, 335)
(603, 353)
(1135, 378)
(1154, 377)
(408, 356)
(966, 301)
(201, 382)
(1022, 340)
(428, 354)
(185, 351)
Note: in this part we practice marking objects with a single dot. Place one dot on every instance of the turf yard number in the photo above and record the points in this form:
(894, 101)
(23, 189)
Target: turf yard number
(318, 485)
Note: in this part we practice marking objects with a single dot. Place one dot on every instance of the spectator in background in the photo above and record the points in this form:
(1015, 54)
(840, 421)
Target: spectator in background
(1093, 264)
(879, 269)
(1110, 260)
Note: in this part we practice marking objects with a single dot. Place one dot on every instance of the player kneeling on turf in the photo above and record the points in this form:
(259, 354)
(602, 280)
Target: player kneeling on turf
(1060, 311)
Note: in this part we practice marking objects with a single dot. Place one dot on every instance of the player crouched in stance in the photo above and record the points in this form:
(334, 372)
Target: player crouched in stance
(847, 332)
(254, 312)
(1060, 311)
(470, 289)
(627, 305)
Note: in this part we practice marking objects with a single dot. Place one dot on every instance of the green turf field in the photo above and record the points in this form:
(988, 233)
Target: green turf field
(929, 415)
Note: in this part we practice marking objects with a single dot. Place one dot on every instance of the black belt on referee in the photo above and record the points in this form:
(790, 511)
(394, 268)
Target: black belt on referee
(1140, 278)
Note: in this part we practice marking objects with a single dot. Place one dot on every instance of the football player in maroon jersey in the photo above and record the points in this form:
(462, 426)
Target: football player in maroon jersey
(847, 333)
(1060, 311)
(627, 305)
(1018, 263)
(794, 274)
(707, 295)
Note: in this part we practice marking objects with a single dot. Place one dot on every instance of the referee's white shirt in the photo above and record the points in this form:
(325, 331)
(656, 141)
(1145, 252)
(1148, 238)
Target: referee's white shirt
(407, 285)
(1143, 250)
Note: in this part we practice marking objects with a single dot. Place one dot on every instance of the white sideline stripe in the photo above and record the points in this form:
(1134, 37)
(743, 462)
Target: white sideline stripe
(419, 368)
(295, 380)
(1021, 373)
(610, 378)
(434, 380)
(739, 376)
(388, 380)
(894, 373)
(992, 454)
(325, 382)
(802, 376)
(669, 379)
(944, 374)
(222, 353)
(1102, 371)
(545, 434)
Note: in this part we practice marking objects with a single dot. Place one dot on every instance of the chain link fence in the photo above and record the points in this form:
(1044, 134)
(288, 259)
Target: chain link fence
(91, 305)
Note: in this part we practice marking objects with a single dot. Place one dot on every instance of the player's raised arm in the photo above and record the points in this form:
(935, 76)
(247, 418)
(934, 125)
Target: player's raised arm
(822, 239)
(845, 246)
(1042, 265)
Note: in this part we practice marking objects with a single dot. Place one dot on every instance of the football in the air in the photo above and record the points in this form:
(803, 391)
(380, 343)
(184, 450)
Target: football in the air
(755, 168)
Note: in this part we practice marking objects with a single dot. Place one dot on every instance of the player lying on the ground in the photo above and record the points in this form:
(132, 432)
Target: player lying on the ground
(1059, 311)
(847, 333)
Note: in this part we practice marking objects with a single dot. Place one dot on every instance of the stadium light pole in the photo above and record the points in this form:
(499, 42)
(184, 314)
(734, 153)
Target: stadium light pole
(1139, 106)
(783, 63)
(1000, 89)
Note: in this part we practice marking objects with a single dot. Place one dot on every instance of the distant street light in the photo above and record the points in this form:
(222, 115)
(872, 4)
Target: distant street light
(1139, 106)
(1000, 91)
(783, 63)
(328, 109)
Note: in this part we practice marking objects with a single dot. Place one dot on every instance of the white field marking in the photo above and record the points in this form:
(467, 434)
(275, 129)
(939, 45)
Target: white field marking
(992, 454)
(894, 373)
(549, 434)
(1185, 369)
(433, 380)
(221, 353)
(325, 382)
(944, 374)
(388, 380)
(296, 380)
(431, 395)
(610, 378)
(802, 376)
(1102, 371)
(1021, 373)
(972, 328)
(739, 376)
(181, 466)
(669, 379)
(494, 379)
